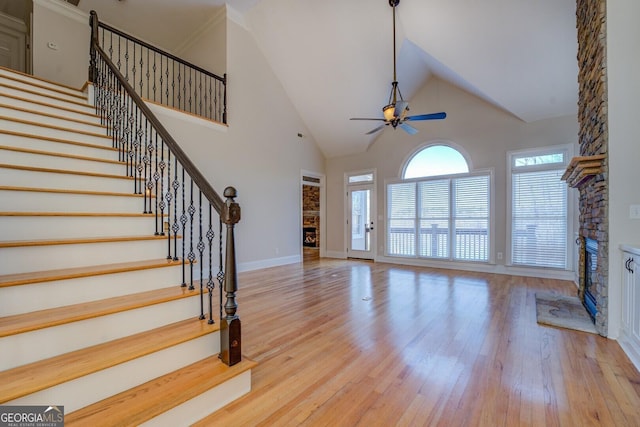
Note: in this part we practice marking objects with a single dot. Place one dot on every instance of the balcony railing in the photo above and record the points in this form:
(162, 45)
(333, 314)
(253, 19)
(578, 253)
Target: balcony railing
(434, 242)
(161, 77)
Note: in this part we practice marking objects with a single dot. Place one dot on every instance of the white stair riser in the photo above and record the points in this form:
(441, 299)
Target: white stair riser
(58, 147)
(64, 163)
(35, 129)
(204, 404)
(56, 101)
(30, 79)
(52, 257)
(60, 227)
(40, 296)
(64, 181)
(92, 388)
(79, 113)
(51, 92)
(54, 121)
(29, 201)
(44, 343)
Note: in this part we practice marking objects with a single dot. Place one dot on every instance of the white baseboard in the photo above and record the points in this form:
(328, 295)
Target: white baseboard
(266, 263)
(335, 254)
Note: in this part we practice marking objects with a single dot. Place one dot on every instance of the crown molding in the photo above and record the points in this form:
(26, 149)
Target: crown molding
(212, 22)
(64, 8)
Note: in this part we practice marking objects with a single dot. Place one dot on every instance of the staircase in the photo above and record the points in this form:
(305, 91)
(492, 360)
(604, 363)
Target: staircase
(92, 314)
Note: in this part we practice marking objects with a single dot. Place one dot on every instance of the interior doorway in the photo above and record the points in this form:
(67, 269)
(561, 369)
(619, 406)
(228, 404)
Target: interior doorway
(14, 34)
(312, 219)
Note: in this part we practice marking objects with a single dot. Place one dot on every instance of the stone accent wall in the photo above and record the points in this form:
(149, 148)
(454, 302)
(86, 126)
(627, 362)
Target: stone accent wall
(593, 138)
(311, 209)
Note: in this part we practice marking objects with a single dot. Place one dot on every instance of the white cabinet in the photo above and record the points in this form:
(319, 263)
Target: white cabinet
(630, 333)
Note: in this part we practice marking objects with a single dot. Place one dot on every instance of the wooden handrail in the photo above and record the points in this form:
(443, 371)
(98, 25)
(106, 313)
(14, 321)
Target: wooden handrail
(206, 188)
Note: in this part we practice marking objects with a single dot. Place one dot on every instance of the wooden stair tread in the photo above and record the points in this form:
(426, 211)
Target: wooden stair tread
(21, 323)
(70, 191)
(64, 155)
(78, 92)
(48, 126)
(26, 379)
(64, 171)
(146, 401)
(54, 116)
(74, 273)
(76, 240)
(47, 95)
(45, 104)
(60, 140)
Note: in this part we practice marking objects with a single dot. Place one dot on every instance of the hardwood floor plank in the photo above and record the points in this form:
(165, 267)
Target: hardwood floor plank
(350, 343)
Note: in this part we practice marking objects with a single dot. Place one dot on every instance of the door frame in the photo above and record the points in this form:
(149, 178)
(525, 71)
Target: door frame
(322, 232)
(373, 207)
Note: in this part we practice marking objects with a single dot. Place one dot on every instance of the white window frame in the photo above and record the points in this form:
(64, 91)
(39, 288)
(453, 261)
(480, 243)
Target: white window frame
(451, 255)
(567, 150)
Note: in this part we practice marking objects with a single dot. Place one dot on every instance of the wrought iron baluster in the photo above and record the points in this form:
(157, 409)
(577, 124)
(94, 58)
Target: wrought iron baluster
(183, 221)
(210, 284)
(176, 227)
(220, 275)
(190, 91)
(167, 87)
(180, 68)
(192, 255)
(173, 83)
(224, 102)
(148, 73)
(201, 248)
(148, 158)
(169, 196)
(160, 203)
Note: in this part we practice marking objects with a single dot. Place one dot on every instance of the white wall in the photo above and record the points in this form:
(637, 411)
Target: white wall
(260, 153)
(483, 131)
(57, 22)
(623, 68)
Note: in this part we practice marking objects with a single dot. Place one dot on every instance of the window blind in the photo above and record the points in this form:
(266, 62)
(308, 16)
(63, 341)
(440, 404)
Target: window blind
(539, 219)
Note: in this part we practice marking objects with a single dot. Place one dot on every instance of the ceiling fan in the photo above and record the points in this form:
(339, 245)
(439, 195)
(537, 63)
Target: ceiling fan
(395, 112)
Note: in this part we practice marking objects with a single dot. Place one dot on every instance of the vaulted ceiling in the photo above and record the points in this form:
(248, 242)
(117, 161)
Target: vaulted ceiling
(334, 57)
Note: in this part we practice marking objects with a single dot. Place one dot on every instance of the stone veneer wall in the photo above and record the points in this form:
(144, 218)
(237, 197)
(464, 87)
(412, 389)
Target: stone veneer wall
(593, 138)
(311, 209)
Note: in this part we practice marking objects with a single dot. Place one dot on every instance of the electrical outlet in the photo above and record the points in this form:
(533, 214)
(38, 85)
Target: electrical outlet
(634, 212)
(499, 255)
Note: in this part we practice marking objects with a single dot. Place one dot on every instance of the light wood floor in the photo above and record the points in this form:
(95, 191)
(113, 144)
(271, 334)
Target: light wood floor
(350, 343)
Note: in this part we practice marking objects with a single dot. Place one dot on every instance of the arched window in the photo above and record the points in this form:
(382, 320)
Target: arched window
(435, 160)
(438, 209)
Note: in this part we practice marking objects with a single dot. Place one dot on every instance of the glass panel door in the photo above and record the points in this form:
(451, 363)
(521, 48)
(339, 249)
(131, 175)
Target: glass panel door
(360, 224)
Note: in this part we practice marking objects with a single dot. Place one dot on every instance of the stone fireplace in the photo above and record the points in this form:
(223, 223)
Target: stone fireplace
(593, 138)
(311, 216)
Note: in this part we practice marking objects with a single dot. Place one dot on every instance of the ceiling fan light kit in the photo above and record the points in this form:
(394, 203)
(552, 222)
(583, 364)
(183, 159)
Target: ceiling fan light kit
(395, 112)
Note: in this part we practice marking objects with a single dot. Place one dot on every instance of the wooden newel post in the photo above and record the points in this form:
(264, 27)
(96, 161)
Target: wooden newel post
(93, 23)
(230, 335)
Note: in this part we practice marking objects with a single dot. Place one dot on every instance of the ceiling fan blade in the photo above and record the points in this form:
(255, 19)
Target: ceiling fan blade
(375, 130)
(363, 118)
(434, 116)
(408, 129)
(401, 106)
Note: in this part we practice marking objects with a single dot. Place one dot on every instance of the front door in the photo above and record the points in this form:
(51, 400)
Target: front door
(360, 223)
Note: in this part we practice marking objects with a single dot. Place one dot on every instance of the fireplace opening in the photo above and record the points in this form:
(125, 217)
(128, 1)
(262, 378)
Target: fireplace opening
(590, 265)
(309, 237)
